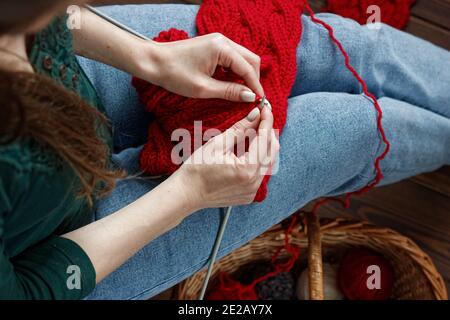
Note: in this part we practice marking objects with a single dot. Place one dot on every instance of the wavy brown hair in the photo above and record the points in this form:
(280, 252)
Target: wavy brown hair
(35, 106)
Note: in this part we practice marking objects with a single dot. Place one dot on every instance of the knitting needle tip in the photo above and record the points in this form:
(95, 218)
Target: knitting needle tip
(264, 103)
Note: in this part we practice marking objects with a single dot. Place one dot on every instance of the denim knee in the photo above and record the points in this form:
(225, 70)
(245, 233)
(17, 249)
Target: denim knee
(345, 130)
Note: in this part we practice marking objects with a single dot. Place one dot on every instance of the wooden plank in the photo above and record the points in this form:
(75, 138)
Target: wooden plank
(438, 181)
(435, 11)
(429, 31)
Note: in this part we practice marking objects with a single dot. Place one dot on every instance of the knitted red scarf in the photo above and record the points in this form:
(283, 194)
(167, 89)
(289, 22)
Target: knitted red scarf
(271, 29)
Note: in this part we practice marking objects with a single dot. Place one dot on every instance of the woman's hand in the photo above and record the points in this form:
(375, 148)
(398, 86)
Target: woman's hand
(186, 67)
(222, 179)
(214, 176)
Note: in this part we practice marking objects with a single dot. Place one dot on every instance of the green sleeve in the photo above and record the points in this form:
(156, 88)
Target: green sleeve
(41, 271)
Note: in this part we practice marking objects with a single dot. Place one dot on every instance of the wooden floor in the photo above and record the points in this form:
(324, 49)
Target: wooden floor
(419, 207)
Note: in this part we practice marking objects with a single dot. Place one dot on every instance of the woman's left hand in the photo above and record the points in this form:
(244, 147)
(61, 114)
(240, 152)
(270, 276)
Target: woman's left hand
(186, 67)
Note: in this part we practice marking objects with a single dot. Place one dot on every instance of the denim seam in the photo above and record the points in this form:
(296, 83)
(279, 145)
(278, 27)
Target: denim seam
(373, 156)
(414, 168)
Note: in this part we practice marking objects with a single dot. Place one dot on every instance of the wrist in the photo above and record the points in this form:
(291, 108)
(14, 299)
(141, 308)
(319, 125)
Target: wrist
(187, 191)
(147, 61)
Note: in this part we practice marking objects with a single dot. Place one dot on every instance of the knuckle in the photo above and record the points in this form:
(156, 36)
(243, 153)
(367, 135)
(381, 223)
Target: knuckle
(243, 175)
(218, 35)
(238, 126)
(257, 61)
(227, 53)
(248, 73)
(201, 88)
(230, 91)
(218, 38)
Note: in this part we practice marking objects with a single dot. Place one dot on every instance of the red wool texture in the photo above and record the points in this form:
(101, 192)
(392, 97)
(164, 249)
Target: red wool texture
(271, 29)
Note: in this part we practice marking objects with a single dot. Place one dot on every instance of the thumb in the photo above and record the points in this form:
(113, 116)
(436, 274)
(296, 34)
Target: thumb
(229, 91)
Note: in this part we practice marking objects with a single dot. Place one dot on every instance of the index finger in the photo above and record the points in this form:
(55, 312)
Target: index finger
(250, 56)
(236, 62)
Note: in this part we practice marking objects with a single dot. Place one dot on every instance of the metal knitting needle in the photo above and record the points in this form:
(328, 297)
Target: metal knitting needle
(215, 250)
(115, 22)
(263, 101)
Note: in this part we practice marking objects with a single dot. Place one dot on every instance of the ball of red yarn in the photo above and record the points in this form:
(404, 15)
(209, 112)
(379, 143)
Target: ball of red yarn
(227, 288)
(354, 275)
(393, 12)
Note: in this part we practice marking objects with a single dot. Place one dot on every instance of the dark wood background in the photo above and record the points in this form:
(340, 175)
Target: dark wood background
(419, 207)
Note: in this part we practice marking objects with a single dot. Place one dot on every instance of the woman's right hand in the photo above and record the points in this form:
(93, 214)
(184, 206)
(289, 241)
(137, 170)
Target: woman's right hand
(221, 178)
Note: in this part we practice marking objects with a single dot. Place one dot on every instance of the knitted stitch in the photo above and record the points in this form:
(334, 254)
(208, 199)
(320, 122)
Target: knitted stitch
(269, 28)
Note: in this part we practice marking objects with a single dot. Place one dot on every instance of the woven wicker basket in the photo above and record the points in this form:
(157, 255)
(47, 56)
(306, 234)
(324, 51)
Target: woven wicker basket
(416, 276)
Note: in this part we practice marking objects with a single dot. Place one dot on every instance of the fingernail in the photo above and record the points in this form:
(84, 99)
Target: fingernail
(253, 114)
(247, 96)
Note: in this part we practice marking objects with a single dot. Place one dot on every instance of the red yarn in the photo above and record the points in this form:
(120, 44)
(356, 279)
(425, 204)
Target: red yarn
(353, 275)
(272, 29)
(393, 12)
(228, 288)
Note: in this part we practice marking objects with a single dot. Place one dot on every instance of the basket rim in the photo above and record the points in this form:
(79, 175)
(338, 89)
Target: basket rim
(343, 226)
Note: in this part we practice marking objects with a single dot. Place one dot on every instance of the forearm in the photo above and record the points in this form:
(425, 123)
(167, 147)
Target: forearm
(99, 40)
(111, 241)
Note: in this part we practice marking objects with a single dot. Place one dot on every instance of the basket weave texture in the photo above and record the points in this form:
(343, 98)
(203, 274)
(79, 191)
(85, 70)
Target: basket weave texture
(416, 276)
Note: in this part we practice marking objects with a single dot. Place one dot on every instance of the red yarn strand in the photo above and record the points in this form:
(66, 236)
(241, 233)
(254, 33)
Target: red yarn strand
(379, 174)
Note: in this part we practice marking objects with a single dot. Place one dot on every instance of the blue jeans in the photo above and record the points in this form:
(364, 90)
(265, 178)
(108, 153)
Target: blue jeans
(328, 145)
